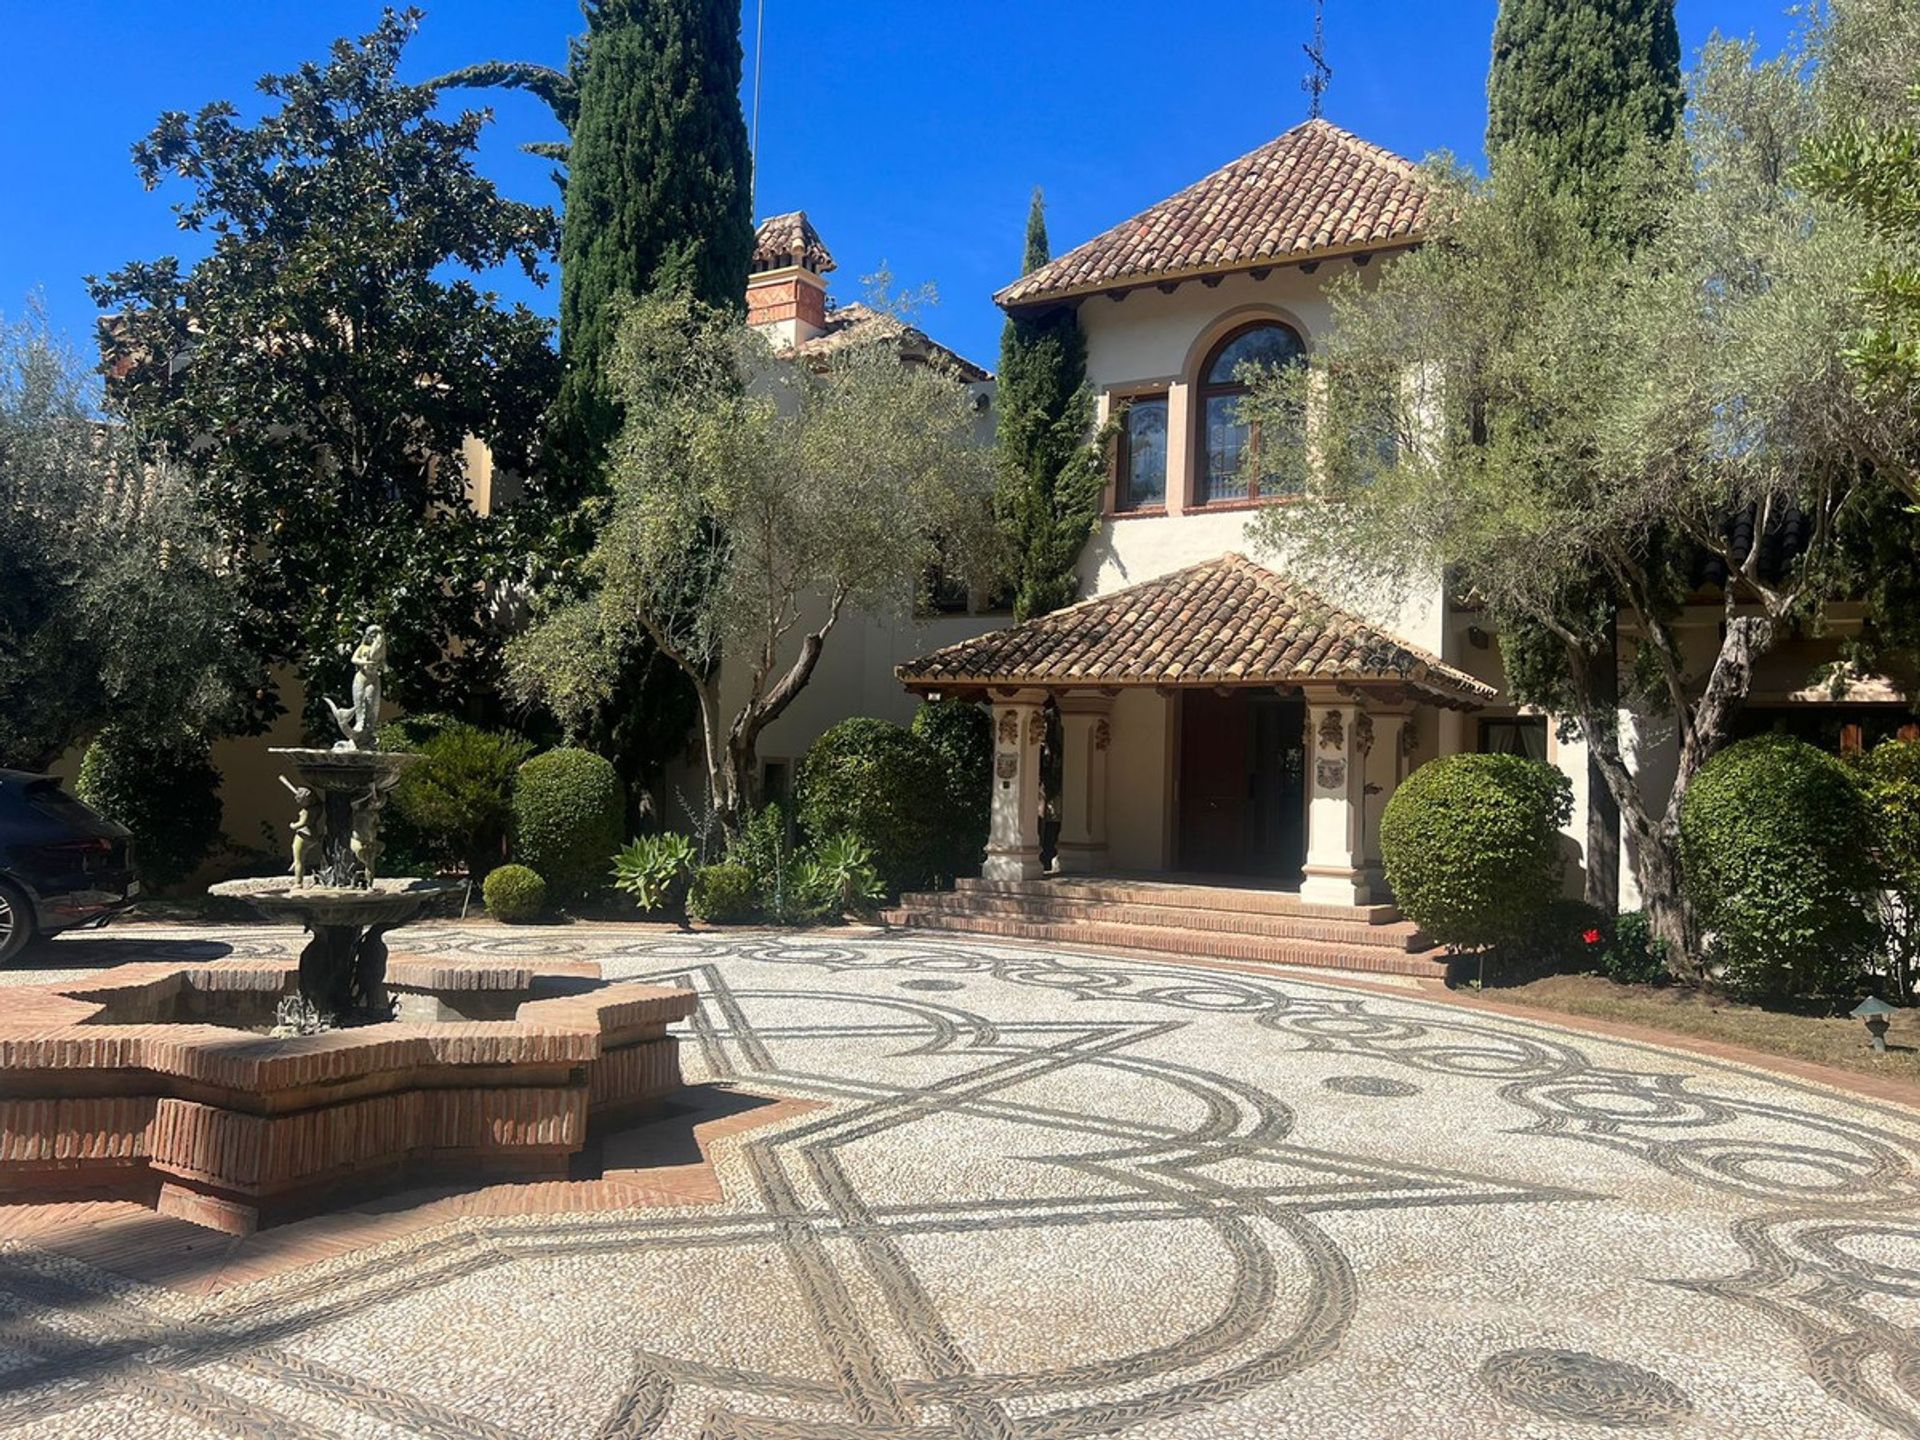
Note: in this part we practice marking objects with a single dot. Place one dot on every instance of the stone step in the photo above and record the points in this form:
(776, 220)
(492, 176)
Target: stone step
(1113, 890)
(1065, 908)
(1195, 944)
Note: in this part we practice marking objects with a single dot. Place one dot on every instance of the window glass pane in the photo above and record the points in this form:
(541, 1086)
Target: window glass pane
(1226, 448)
(1145, 482)
(1263, 345)
(1524, 735)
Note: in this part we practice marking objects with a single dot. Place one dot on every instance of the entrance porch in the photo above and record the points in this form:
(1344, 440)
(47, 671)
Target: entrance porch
(1220, 720)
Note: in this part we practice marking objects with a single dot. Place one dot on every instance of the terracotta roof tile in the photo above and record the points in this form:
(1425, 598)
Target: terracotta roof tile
(857, 324)
(1313, 190)
(1225, 622)
(790, 240)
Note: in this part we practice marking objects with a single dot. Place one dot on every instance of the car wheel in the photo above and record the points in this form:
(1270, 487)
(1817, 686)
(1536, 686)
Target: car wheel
(16, 922)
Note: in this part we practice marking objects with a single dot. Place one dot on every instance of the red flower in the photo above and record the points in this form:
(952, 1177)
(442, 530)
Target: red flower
(1592, 937)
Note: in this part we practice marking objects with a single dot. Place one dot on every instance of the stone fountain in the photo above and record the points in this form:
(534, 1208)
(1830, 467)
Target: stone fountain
(336, 891)
(184, 1086)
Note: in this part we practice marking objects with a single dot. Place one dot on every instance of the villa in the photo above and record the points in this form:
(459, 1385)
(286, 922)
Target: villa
(1219, 720)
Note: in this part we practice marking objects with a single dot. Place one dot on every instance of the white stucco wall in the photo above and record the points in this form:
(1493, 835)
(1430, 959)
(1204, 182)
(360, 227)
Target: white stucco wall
(1140, 775)
(1150, 342)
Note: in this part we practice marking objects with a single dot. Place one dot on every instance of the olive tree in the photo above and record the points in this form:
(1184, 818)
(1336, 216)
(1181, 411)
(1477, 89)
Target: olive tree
(113, 608)
(1524, 407)
(754, 506)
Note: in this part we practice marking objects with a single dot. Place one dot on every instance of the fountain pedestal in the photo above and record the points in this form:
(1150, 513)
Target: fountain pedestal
(347, 909)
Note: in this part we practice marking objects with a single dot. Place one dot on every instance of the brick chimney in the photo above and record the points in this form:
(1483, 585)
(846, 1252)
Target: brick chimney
(787, 289)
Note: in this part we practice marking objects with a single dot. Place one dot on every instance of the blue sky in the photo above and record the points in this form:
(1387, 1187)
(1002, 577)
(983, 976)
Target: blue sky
(912, 131)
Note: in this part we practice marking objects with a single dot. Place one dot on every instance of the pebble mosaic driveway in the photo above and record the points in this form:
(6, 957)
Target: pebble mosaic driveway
(1036, 1195)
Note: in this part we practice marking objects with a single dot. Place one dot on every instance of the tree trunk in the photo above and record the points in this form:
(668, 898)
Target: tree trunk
(1704, 732)
(1603, 811)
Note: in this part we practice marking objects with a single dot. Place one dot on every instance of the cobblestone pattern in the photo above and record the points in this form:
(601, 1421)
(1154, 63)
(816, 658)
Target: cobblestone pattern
(1074, 1196)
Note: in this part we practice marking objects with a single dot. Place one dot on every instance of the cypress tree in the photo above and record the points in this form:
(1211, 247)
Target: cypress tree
(1580, 86)
(658, 189)
(1582, 83)
(1050, 481)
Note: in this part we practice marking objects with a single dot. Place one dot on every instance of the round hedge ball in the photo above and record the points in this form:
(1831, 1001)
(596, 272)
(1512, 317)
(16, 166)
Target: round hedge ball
(1775, 861)
(569, 818)
(1472, 847)
(514, 894)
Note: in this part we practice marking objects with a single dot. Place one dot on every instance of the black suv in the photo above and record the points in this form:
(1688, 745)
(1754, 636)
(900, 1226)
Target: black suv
(61, 864)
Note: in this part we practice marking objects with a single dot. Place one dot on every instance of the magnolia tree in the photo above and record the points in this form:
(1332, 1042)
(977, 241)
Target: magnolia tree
(1543, 418)
(754, 506)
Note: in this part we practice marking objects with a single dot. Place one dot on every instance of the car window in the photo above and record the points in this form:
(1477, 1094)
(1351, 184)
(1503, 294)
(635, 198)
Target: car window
(50, 800)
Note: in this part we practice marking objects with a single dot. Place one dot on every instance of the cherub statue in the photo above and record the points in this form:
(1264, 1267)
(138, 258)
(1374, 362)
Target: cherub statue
(365, 843)
(359, 721)
(309, 833)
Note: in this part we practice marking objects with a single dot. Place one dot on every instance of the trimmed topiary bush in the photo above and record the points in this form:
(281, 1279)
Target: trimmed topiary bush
(961, 733)
(569, 816)
(456, 801)
(886, 787)
(723, 894)
(515, 895)
(164, 789)
(1472, 848)
(1775, 861)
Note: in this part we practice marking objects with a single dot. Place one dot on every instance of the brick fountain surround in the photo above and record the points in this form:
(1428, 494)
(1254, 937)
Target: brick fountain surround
(145, 1083)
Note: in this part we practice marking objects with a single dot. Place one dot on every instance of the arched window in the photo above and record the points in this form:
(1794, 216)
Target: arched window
(1228, 443)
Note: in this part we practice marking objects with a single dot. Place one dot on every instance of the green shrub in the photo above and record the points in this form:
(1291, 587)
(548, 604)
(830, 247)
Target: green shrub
(569, 813)
(164, 789)
(411, 732)
(840, 878)
(655, 870)
(1775, 862)
(765, 846)
(456, 801)
(886, 787)
(1890, 779)
(1473, 850)
(961, 732)
(514, 894)
(723, 894)
(1632, 953)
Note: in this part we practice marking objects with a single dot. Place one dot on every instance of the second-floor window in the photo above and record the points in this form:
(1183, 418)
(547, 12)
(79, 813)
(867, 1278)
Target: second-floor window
(1230, 449)
(1141, 483)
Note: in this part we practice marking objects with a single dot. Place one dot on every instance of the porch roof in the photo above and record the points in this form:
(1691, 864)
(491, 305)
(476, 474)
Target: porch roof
(1224, 623)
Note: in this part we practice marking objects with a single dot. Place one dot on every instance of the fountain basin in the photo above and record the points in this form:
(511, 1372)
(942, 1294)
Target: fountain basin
(145, 1083)
(389, 903)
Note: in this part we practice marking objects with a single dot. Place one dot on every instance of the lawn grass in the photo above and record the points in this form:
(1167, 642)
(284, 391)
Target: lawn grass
(1824, 1040)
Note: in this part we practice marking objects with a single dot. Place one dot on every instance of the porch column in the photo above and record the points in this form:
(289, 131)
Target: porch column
(1013, 835)
(1336, 802)
(1385, 736)
(1086, 732)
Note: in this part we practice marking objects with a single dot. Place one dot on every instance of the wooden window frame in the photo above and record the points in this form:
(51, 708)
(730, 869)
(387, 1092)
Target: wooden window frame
(1203, 396)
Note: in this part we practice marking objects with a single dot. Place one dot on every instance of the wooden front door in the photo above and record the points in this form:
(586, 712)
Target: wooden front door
(1242, 785)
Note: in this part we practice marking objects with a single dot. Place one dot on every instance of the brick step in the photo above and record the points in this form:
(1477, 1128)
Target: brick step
(1199, 944)
(1108, 890)
(1072, 909)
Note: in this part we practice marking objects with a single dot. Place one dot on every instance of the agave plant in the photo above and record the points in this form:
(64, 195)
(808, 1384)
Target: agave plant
(841, 876)
(655, 871)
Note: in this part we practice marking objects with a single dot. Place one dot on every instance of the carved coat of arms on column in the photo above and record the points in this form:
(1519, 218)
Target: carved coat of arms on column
(1333, 731)
(1009, 728)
